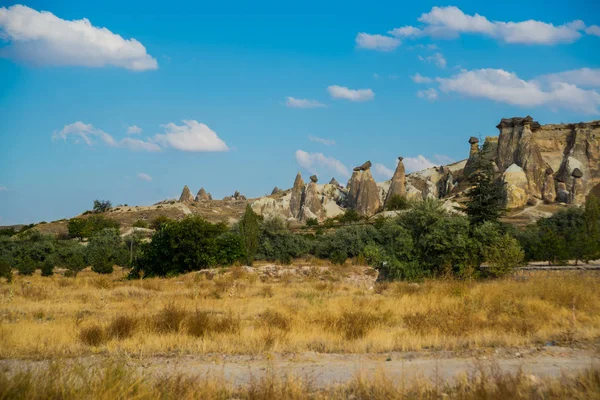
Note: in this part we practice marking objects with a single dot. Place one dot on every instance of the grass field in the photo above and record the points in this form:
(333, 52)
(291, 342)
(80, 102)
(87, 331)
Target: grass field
(241, 313)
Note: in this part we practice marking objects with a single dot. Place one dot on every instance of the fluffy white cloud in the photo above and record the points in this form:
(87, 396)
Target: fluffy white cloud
(191, 136)
(376, 42)
(418, 78)
(326, 142)
(586, 77)
(506, 87)
(313, 161)
(429, 94)
(42, 38)
(593, 30)
(438, 59)
(417, 163)
(381, 171)
(139, 145)
(145, 177)
(134, 130)
(450, 22)
(302, 103)
(84, 133)
(342, 92)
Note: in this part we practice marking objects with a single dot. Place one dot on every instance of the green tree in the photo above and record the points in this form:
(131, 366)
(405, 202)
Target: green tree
(140, 223)
(591, 236)
(5, 270)
(71, 255)
(181, 246)
(47, 268)
(250, 229)
(101, 206)
(159, 221)
(88, 227)
(26, 265)
(504, 256)
(105, 250)
(397, 202)
(485, 198)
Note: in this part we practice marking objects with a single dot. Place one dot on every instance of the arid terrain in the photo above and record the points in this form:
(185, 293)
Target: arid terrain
(314, 321)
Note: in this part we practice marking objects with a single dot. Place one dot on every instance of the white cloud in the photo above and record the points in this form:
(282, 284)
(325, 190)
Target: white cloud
(191, 136)
(450, 22)
(376, 42)
(145, 177)
(302, 103)
(593, 30)
(342, 92)
(326, 142)
(382, 171)
(418, 78)
(3, 189)
(134, 130)
(313, 161)
(442, 159)
(136, 144)
(586, 77)
(417, 163)
(429, 94)
(41, 38)
(438, 59)
(84, 132)
(506, 87)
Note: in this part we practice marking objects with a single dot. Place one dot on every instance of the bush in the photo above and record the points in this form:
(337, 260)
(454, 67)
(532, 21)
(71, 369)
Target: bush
(397, 202)
(202, 323)
(504, 256)
(159, 221)
(5, 270)
(182, 246)
(122, 327)
(87, 227)
(93, 335)
(105, 250)
(312, 222)
(26, 266)
(48, 267)
(277, 243)
(71, 255)
(169, 319)
(140, 223)
(349, 216)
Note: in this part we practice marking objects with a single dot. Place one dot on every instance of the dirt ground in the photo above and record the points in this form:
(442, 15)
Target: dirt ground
(325, 369)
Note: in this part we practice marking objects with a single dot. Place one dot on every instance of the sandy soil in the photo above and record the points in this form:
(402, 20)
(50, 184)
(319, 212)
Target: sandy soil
(326, 369)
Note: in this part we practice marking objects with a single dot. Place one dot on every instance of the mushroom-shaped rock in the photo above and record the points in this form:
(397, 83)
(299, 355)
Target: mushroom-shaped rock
(474, 142)
(549, 171)
(577, 173)
(363, 167)
(577, 195)
(186, 195)
(363, 193)
(313, 178)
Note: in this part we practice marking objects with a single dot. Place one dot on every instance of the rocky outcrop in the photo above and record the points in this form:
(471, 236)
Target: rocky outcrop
(313, 178)
(515, 187)
(398, 182)
(276, 190)
(186, 195)
(203, 196)
(549, 188)
(474, 142)
(311, 207)
(363, 193)
(577, 195)
(297, 197)
(334, 182)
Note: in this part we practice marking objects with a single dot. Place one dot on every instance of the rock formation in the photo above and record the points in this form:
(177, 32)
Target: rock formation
(549, 188)
(202, 195)
(297, 196)
(334, 182)
(276, 190)
(398, 182)
(363, 193)
(474, 142)
(363, 167)
(313, 178)
(311, 207)
(577, 195)
(186, 195)
(515, 187)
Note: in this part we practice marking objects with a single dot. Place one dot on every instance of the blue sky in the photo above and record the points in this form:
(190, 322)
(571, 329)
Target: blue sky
(146, 97)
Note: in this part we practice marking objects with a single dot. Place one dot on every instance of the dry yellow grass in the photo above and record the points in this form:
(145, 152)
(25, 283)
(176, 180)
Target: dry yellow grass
(241, 314)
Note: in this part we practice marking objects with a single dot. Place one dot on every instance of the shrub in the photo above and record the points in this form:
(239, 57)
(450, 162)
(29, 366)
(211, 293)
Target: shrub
(159, 221)
(178, 247)
(169, 319)
(87, 227)
(140, 223)
(202, 323)
(105, 250)
(48, 267)
(25, 265)
(349, 216)
(93, 335)
(71, 255)
(122, 327)
(5, 270)
(397, 202)
(312, 222)
(504, 256)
